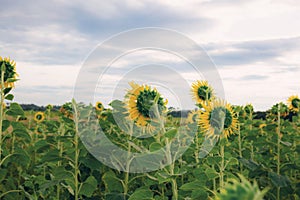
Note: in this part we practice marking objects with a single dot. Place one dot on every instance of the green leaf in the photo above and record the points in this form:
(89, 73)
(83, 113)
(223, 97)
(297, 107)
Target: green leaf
(112, 182)
(3, 173)
(5, 124)
(118, 105)
(162, 177)
(155, 146)
(15, 110)
(115, 196)
(233, 161)
(199, 194)
(195, 185)
(7, 90)
(20, 157)
(279, 180)
(211, 173)
(214, 160)
(89, 186)
(143, 193)
(51, 156)
(9, 97)
(171, 133)
(250, 164)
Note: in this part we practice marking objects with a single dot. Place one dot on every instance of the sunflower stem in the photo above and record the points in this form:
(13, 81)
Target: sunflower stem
(77, 151)
(240, 146)
(278, 149)
(222, 168)
(128, 161)
(1, 107)
(171, 170)
(197, 149)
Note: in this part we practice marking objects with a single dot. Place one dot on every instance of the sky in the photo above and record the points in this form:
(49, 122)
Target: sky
(255, 45)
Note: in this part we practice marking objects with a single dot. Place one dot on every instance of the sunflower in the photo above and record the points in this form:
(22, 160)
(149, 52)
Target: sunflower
(294, 103)
(49, 107)
(218, 119)
(261, 126)
(192, 116)
(10, 74)
(99, 106)
(39, 117)
(202, 92)
(141, 100)
(67, 110)
(249, 109)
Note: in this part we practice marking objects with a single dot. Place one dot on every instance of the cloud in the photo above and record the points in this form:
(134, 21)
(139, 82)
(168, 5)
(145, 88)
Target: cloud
(239, 53)
(253, 42)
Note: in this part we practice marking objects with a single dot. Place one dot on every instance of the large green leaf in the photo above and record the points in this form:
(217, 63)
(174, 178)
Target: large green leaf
(15, 110)
(142, 193)
(195, 185)
(88, 187)
(112, 182)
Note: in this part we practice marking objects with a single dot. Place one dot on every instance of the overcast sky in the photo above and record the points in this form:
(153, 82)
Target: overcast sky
(255, 45)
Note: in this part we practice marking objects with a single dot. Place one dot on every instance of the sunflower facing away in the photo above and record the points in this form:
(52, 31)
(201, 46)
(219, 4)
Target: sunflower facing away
(141, 103)
(99, 106)
(10, 74)
(294, 103)
(218, 120)
(193, 116)
(39, 117)
(202, 92)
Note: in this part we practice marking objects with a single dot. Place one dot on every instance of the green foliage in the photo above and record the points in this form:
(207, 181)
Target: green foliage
(39, 160)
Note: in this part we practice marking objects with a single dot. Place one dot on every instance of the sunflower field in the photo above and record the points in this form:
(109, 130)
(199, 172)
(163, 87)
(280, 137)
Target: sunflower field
(233, 153)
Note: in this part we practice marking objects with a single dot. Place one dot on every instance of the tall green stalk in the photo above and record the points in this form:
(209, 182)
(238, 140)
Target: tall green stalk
(278, 149)
(126, 178)
(222, 166)
(240, 145)
(77, 151)
(1, 107)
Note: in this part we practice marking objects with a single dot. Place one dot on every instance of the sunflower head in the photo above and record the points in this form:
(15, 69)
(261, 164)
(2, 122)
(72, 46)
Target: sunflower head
(294, 103)
(261, 126)
(67, 110)
(144, 104)
(49, 107)
(9, 68)
(39, 117)
(241, 189)
(202, 92)
(99, 106)
(218, 120)
(193, 116)
(281, 107)
(249, 109)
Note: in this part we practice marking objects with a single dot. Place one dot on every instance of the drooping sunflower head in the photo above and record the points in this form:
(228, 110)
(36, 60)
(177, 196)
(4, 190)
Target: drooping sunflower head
(10, 75)
(144, 104)
(249, 109)
(67, 110)
(294, 103)
(99, 106)
(202, 92)
(49, 107)
(279, 107)
(39, 117)
(218, 120)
